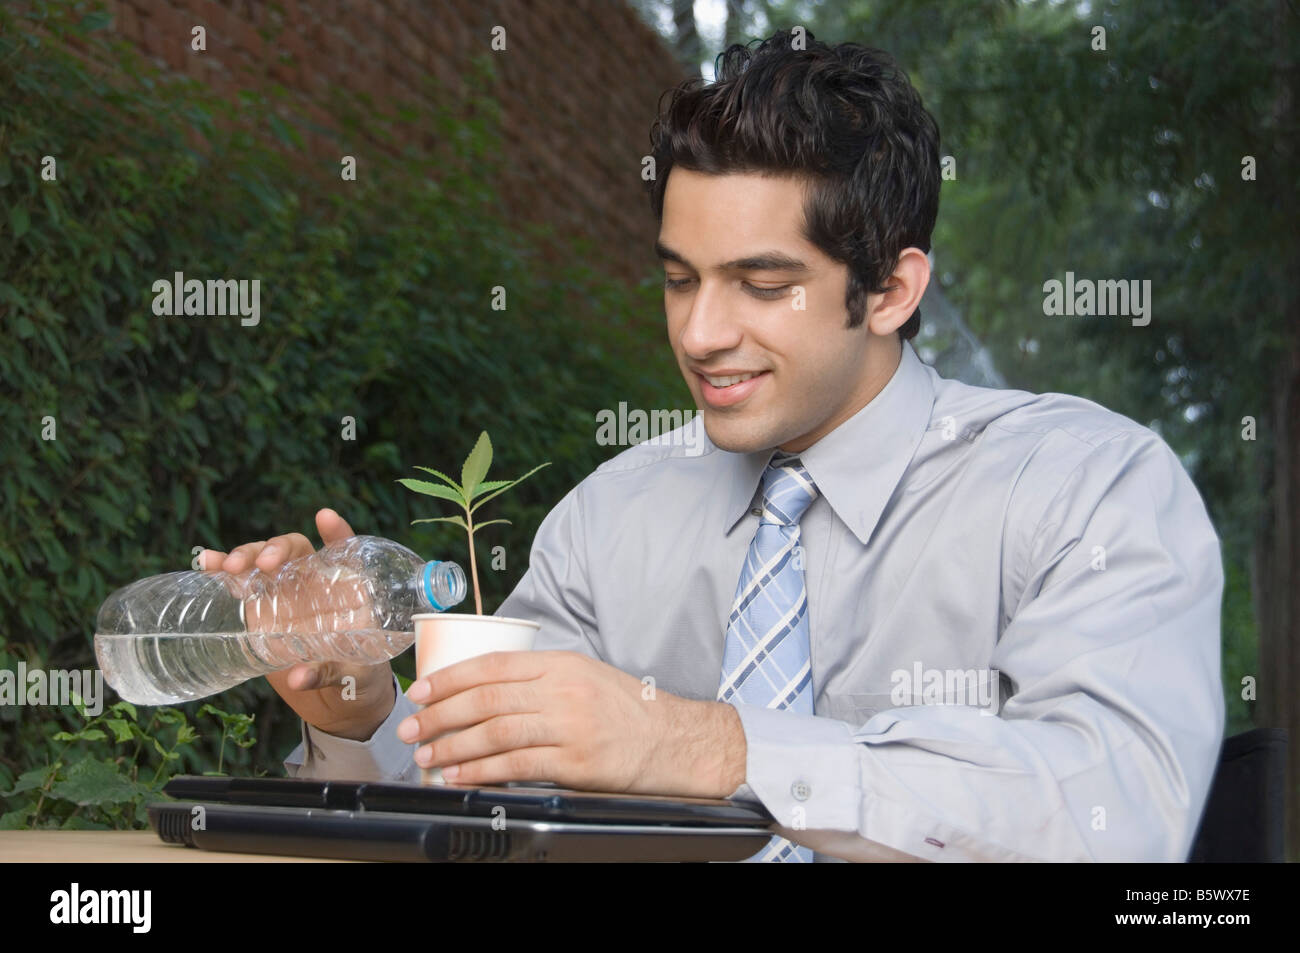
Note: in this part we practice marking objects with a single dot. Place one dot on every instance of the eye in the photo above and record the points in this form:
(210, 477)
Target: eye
(766, 293)
(672, 284)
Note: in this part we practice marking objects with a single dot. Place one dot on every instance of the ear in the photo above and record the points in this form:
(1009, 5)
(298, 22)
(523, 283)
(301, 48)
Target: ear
(889, 311)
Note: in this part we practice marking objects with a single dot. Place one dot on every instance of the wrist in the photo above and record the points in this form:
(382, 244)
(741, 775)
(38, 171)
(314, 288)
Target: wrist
(710, 750)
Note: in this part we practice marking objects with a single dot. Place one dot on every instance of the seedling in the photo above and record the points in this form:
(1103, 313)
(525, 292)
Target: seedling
(470, 493)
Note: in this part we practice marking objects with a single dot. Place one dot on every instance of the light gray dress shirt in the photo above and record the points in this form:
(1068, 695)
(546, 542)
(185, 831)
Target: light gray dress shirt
(1014, 606)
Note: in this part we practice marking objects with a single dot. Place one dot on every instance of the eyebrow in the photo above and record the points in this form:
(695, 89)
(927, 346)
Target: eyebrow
(761, 261)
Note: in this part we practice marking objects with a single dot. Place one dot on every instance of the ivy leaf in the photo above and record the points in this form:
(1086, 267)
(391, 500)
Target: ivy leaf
(432, 489)
(476, 465)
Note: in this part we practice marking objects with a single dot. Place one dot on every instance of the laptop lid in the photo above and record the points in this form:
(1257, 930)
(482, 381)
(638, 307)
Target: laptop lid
(521, 801)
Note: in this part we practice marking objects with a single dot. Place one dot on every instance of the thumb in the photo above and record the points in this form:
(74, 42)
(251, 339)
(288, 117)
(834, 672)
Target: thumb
(308, 676)
(332, 527)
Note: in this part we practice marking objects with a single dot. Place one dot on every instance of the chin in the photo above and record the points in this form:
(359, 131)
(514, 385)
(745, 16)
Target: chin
(735, 436)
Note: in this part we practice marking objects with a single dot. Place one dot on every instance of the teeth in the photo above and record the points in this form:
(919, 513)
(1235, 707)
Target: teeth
(728, 381)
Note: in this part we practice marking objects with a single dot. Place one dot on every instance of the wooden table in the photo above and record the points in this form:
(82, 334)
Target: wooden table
(89, 847)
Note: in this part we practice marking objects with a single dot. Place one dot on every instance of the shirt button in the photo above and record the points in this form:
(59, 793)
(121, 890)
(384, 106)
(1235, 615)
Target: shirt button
(801, 791)
(756, 511)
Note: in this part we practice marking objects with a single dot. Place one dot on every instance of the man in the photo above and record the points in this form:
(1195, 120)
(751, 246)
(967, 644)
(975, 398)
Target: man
(915, 619)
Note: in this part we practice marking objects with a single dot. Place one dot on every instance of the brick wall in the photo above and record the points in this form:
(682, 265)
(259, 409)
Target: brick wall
(578, 84)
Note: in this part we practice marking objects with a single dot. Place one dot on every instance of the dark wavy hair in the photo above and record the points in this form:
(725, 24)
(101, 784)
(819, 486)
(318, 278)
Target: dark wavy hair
(846, 119)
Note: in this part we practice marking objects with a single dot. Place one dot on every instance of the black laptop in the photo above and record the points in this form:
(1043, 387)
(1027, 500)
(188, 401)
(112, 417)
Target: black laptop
(368, 820)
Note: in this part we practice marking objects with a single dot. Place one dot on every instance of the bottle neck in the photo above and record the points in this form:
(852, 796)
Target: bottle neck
(439, 586)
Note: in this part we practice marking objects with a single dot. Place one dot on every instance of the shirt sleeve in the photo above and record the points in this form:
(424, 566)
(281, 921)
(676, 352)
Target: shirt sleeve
(382, 757)
(1107, 745)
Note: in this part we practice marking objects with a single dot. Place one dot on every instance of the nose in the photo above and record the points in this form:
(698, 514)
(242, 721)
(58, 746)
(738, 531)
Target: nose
(710, 327)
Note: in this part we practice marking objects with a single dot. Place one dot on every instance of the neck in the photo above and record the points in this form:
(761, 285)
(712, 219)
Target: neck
(881, 365)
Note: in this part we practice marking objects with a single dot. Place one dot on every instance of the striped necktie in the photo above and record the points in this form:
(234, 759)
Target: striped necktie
(766, 660)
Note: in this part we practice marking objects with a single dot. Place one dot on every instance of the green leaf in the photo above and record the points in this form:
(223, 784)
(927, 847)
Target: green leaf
(490, 523)
(27, 781)
(476, 465)
(489, 486)
(432, 489)
(120, 727)
(96, 782)
(442, 476)
(481, 500)
(124, 707)
(16, 820)
(92, 734)
(457, 520)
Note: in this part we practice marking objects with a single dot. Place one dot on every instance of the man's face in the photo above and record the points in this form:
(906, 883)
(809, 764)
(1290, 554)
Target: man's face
(737, 272)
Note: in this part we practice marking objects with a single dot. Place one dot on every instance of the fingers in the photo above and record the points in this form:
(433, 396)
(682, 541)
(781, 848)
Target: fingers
(280, 549)
(242, 557)
(332, 527)
(270, 554)
(267, 555)
(210, 560)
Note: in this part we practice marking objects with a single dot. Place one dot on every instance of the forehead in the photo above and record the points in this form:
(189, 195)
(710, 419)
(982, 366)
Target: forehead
(708, 213)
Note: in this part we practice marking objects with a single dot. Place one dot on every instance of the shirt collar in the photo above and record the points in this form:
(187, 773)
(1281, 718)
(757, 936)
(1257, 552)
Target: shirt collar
(858, 464)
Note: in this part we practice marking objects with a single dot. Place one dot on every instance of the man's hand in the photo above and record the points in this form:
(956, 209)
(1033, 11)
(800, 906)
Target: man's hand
(315, 691)
(575, 721)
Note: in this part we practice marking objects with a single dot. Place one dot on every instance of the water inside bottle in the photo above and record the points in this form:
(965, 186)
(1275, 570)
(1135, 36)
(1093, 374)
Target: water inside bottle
(169, 668)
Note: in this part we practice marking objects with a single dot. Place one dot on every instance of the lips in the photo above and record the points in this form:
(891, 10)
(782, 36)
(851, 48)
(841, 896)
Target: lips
(731, 388)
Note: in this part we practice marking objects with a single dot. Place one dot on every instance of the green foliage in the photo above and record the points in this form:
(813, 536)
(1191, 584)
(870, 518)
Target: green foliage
(76, 788)
(471, 493)
(174, 432)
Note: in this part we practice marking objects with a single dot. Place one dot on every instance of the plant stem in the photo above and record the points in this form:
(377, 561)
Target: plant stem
(36, 814)
(473, 563)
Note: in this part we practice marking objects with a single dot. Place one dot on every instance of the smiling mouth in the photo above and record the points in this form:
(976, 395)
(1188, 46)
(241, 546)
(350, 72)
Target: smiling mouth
(731, 379)
(730, 390)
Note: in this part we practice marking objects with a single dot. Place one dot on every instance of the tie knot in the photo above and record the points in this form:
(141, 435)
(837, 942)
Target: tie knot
(788, 490)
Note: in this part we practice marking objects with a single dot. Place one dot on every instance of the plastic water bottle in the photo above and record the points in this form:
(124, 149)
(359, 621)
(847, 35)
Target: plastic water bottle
(186, 635)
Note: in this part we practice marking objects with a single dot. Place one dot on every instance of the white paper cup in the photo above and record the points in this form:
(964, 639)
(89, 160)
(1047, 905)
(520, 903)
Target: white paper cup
(443, 639)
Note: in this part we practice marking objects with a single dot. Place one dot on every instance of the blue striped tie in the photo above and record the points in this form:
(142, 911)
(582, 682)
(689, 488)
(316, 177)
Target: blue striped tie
(766, 661)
